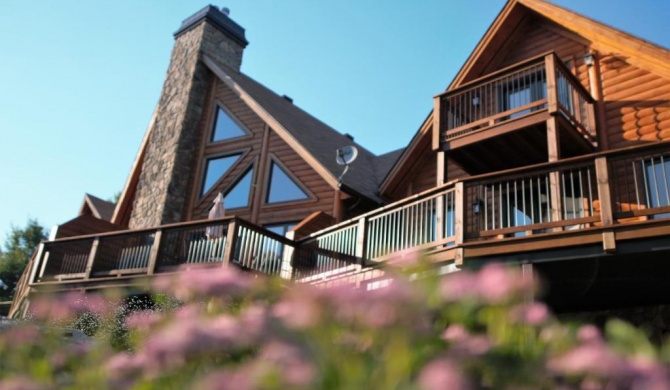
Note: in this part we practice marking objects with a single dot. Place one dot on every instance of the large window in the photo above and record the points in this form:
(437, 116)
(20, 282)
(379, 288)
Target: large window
(226, 127)
(238, 195)
(281, 187)
(657, 183)
(522, 91)
(215, 169)
(282, 228)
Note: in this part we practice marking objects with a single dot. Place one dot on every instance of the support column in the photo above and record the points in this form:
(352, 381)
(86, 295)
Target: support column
(441, 168)
(596, 90)
(459, 222)
(605, 198)
(554, 152)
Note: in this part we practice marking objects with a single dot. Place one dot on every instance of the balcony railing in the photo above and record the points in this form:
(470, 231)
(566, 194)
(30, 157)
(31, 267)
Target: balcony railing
(165, 249)
(593, 191)
(541, 83)
(596, 191)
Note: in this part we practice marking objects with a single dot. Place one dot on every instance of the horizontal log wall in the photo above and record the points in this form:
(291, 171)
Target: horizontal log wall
(637, 103)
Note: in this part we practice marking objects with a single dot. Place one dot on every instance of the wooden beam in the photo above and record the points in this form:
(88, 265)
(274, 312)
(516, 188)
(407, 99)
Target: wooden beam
(361, 238)
(459, 212)
(494, 131)
(337, 206)
(528, 276)
(441, 168)
(604, 193)
(231, 243)
(554, 152)
(596, 86)
(37, 263)
(437, 129)
(125, 200)
(263, 175)
(91, 258)
(155, 250)
(552, 91)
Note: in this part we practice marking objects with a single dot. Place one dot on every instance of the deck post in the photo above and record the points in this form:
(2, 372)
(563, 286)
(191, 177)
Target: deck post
(155, 250)
(361, 238)
(459, 221)
(605, 197)
(37, 263)
(527, 274)
(554, 153)
(231, 243)
(91, 258)
(286, 271)
(552, 96)
(436, 122)
(439, 217)
(459, 211)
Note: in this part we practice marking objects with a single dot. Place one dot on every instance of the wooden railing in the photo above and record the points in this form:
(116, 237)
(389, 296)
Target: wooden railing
(596, 190)
(540, 83)
(535, 200)
(593, 191)
(164, 249)
(641, 184)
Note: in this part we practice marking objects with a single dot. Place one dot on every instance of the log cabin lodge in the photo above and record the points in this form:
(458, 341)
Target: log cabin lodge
(586, 205)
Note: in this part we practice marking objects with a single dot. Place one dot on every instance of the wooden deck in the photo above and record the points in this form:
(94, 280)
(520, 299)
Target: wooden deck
(584, 206)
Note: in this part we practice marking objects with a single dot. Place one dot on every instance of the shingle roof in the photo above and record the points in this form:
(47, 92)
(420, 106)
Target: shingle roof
(385, 162)
(320, 140)
(103, 208)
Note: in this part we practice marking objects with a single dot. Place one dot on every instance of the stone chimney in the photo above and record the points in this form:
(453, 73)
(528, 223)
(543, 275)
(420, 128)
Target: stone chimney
(170, 154)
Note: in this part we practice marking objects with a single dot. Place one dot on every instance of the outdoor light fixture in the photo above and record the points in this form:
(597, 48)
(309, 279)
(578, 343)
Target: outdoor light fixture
(477, 206)
(589, 59)
(475, 100)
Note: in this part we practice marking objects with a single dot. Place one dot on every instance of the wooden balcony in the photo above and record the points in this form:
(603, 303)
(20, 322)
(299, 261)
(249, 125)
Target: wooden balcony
(503, 118)
(593, 205)
(590, 205)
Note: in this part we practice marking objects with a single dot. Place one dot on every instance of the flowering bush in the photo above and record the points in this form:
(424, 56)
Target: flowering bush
(223, 329)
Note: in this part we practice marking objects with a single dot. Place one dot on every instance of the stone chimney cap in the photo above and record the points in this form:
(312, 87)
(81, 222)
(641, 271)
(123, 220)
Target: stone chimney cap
(219, 19)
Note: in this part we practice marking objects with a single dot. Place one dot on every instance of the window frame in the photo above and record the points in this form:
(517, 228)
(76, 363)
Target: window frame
(248, 169)
(272, 158)
(219, 106)
(203, 170)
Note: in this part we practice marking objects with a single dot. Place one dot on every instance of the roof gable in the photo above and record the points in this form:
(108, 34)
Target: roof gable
(97, 207)
(312, 139)
(509, 23)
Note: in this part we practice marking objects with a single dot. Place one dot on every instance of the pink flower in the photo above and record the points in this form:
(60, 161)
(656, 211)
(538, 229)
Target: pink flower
(464, 343)
(495, 283)
(590, 359)
(299, 309)
(20, 383)
(441, 374)
(211, 283)
(589, 334)
(240, 379)
(290, 361)
(457, 286)
(532, 314)
(143, 320)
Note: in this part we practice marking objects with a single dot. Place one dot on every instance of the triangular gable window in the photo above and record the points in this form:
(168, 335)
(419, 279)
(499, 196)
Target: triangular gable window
(282, 188)
(238, 195)
(215, 169)
(225, 127)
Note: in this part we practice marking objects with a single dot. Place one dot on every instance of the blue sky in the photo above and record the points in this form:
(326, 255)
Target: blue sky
(79, 80)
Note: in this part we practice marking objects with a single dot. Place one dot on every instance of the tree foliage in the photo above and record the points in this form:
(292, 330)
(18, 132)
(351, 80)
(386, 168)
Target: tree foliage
(18, 248)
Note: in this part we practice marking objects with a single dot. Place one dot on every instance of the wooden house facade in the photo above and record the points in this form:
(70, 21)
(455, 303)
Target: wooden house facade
(548, 149)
